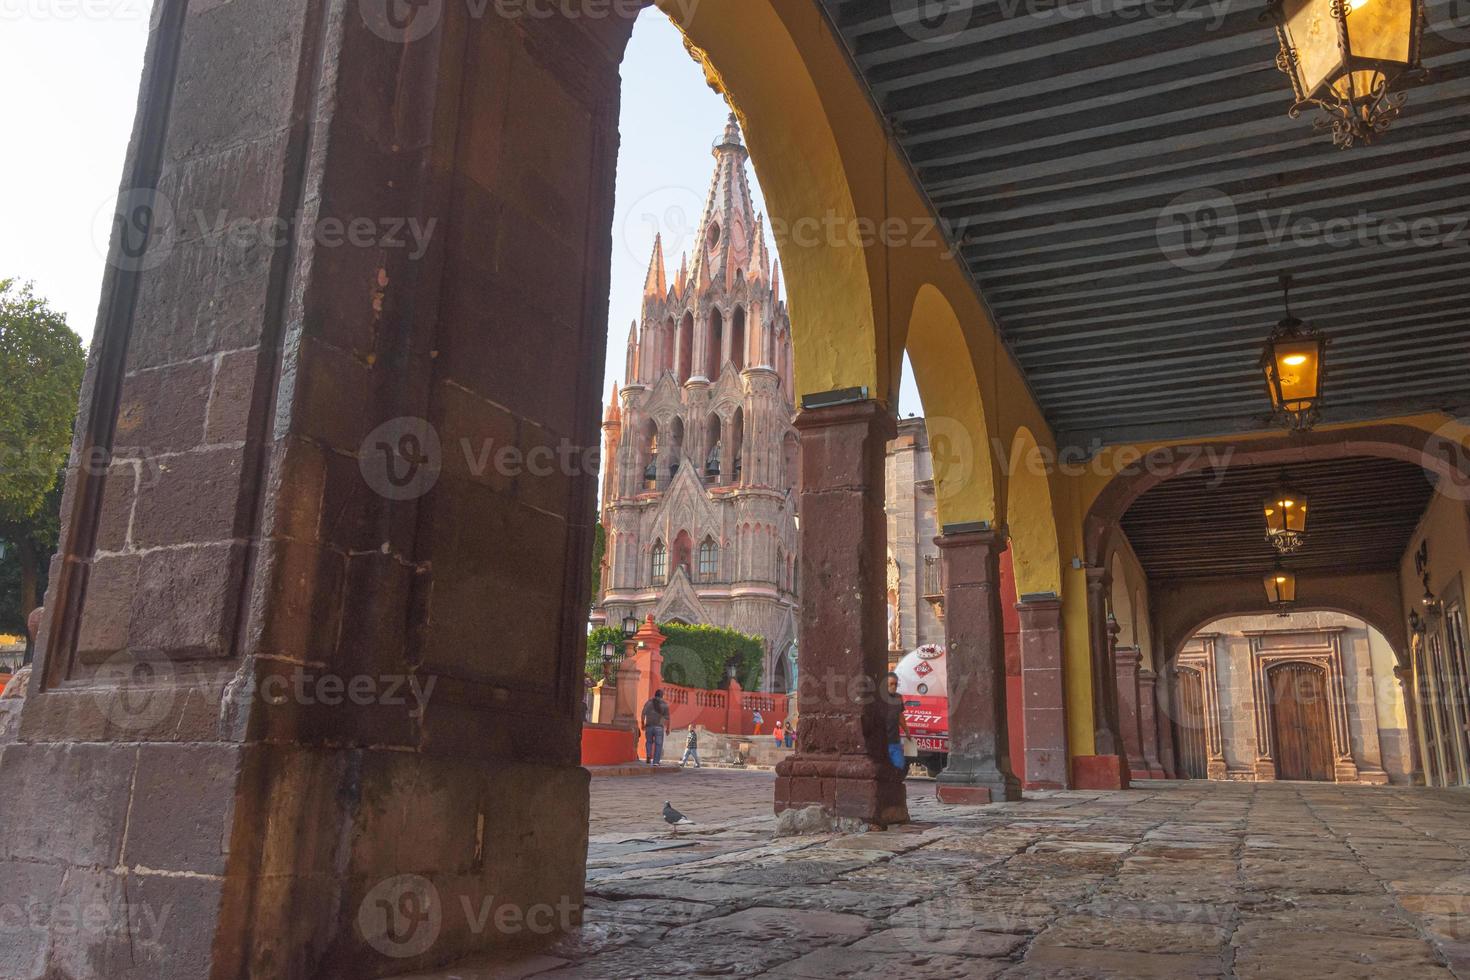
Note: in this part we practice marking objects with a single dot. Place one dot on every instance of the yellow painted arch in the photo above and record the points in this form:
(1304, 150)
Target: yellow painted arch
(749, 54)
(959, 443)
(1031, 517)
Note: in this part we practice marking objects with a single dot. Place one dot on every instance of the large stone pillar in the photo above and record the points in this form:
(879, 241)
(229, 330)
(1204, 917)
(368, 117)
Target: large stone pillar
(1148, 722)
(309, 681)
(1126, 660)
(1043, 693)
(841, 764)
(979, 768)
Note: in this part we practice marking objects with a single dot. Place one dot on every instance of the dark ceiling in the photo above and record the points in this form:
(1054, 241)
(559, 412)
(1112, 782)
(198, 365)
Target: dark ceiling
(1362, 511)
(1071, 144)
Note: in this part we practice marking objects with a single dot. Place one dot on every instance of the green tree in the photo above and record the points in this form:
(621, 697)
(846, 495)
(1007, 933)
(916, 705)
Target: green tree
(694, 656)
(41, 365)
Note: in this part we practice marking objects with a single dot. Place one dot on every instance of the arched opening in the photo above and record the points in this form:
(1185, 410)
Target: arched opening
(686, 348)
(714, 344)
(676, 446)
(709, 560)
(648, 455)
(668, 349)
(713, 438)
(735, 452)
(659, 566)
(683, 553)
(737, 339)
(1312, 695)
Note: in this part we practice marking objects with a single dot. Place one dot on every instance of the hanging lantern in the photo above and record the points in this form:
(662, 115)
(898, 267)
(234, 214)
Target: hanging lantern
(1349, 58)
(1281, 589)
(1286, 517)
(1294, 362)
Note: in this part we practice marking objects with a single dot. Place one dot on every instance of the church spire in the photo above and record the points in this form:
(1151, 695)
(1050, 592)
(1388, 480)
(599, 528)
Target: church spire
(727, 227)
(656, 286)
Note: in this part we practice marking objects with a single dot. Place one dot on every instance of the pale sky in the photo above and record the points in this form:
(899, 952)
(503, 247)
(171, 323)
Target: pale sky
(70, 71)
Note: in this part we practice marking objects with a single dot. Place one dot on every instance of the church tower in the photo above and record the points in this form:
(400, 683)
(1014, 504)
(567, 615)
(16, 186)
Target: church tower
(699, 498)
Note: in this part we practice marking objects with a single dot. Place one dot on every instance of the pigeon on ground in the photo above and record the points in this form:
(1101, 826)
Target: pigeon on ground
(673, 816)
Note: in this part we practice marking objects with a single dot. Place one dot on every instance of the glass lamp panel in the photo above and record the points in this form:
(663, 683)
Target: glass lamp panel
(1380, 30)
(1273, 589)
(1296, 518)
(1357, 85)
(1274, 523)
(1313, 32)
(1298, 371)
(1286, 586)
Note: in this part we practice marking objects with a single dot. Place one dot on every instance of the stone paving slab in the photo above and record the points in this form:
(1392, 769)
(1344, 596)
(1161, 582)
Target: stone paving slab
(1190, 879)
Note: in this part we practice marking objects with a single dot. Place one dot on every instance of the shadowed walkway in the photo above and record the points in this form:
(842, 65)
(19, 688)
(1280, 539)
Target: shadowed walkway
(1288, 880)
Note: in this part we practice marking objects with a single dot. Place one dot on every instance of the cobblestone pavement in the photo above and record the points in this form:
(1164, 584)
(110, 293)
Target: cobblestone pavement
(1288, 880)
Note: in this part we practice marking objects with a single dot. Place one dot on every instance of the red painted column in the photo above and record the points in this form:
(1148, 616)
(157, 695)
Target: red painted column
(841, 763)
(1043, 693)
(1148, 722)
(979, 769)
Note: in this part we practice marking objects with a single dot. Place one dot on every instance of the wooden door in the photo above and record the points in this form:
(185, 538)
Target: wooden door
(1301, 722)
(1190, 725)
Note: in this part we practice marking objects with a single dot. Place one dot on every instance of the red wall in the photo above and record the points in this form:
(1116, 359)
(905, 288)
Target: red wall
(603, 745)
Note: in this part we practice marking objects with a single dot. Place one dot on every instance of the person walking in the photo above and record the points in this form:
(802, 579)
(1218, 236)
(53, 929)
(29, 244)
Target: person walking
(895, 728)
(655, 718)
(779, 733)
(791, 735)
(691, 749)
(759, 721)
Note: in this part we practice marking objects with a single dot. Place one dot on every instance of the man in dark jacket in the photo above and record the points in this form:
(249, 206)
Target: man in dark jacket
(895, 728)
(655, 718)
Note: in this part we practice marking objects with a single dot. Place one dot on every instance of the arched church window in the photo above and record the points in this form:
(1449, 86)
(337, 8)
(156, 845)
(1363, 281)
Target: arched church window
(709, 560)
(660, 563)
(684, 552)
(715, 342)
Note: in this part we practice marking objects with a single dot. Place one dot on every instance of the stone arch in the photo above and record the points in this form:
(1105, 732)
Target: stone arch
(1031, 518)
(965, 482)
(1144, 470)
(1186, 608)
(784, 117)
